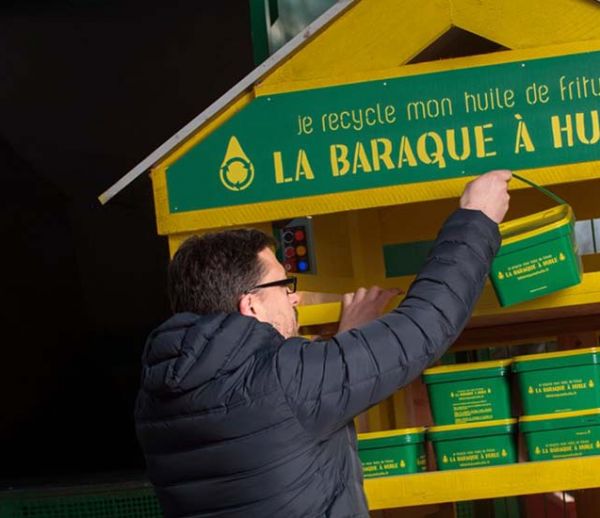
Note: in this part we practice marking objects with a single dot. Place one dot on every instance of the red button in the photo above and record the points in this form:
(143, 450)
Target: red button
(290, 252)
(299, 235)
(290, 266)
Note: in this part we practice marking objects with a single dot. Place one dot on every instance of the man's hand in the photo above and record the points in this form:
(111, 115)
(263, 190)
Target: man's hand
(364, 305)
(489, 194)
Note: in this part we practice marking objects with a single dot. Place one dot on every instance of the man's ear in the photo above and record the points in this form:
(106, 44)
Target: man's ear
(245, 306)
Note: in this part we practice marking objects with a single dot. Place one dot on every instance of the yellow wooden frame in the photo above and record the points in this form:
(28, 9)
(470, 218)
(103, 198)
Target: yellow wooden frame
(374, 40)
(403, 29)
(368, 198)
(471, 484)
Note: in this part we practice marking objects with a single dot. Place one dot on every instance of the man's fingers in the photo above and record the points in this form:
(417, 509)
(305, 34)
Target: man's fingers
(360, 294)
(503, 174)
(347, 298)
(373, 293)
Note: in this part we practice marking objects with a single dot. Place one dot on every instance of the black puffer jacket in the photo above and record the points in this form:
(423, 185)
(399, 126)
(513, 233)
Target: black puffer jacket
(235, 421)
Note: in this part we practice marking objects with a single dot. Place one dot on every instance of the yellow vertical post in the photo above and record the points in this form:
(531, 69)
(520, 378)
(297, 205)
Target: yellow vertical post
(367, 258)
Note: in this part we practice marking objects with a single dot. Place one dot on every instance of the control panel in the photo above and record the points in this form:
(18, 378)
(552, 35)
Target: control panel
(295, 247)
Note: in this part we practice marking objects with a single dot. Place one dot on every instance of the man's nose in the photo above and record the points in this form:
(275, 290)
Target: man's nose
(294, 299)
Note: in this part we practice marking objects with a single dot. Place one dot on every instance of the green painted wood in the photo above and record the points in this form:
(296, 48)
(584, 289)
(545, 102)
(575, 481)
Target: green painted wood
(405, 130)
(405, 258)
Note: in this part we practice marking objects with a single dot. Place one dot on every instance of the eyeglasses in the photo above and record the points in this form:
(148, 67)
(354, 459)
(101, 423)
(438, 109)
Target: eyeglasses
(288, 282)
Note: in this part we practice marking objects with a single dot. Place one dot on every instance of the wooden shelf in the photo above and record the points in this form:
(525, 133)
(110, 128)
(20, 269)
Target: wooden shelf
(472, 484)
(488, 312)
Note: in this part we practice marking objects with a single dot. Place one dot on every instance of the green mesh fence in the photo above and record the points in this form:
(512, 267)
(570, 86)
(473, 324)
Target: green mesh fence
(106, 501)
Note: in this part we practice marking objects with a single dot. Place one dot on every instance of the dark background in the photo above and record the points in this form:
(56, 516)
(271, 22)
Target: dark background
(87, 90)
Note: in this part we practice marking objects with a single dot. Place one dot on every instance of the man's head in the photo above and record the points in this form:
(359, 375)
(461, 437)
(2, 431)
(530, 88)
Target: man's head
(225, 271)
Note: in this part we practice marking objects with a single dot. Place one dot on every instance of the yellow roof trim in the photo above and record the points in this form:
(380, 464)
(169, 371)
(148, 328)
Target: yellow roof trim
(558, 415)
(558, 354)
(390, 433)
(443, 369)
(470, 426)
(270, 87)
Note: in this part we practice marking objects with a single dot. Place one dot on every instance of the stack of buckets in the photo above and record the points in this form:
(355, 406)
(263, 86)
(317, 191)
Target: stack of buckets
(473, 423)
(471, 409)
(393, 452)
(560, 394)
(471, 404)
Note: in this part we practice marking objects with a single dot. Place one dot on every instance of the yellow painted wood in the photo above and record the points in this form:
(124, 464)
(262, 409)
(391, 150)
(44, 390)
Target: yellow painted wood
(327, 284)
(158, 173)
(345, 201)
(331, 234)
(591, 263)
(472, 484)
(588, 292)
(371, 41)
(365, 247)
(331, 203)
(516, 24)
(316, 314)
(381, 416)
(401, 409)
(496, 58)
(374, 34)
(582, 196)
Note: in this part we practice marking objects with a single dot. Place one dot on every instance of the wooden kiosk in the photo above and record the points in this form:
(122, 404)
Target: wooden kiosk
(353, 143)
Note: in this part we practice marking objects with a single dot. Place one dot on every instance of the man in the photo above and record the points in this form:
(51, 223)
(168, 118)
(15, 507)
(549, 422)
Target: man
(238, 417)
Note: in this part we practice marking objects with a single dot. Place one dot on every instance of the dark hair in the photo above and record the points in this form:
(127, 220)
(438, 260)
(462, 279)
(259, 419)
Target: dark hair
(208, 274)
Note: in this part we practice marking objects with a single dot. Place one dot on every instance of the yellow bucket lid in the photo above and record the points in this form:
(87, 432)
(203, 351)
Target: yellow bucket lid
(558, 415)
(459, 367)
(469, 426)
(557, 354)
(391, 433)
(536, 224)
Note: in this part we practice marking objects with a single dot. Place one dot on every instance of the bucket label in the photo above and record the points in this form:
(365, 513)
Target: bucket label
(474, 457)
(525, 270)
(472, 404)
(582, 444)
(560, 389)
(573, 387)
(390, 466)
(533, 267)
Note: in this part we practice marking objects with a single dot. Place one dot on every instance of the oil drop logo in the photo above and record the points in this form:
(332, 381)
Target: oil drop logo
(237, 171)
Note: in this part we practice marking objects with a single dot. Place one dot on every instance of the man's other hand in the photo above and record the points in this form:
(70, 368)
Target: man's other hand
(489, 194)
(364, 305)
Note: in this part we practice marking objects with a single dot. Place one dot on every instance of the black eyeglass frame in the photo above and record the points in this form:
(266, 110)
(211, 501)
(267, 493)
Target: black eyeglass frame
(289, 282)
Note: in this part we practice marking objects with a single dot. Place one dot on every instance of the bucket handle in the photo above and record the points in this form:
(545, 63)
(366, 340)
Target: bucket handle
(543, 190)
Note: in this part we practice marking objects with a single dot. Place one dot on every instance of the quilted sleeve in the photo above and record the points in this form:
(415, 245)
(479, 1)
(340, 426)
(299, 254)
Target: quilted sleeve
(329, 382)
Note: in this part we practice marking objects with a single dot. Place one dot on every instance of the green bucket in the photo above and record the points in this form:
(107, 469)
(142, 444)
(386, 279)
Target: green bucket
(469, 392)
(393, 452)
(538, 255)
(563, 381)
(559, 436)
(489, 443)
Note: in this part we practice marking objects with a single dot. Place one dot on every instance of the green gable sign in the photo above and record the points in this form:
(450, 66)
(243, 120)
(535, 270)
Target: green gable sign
(420, 128)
